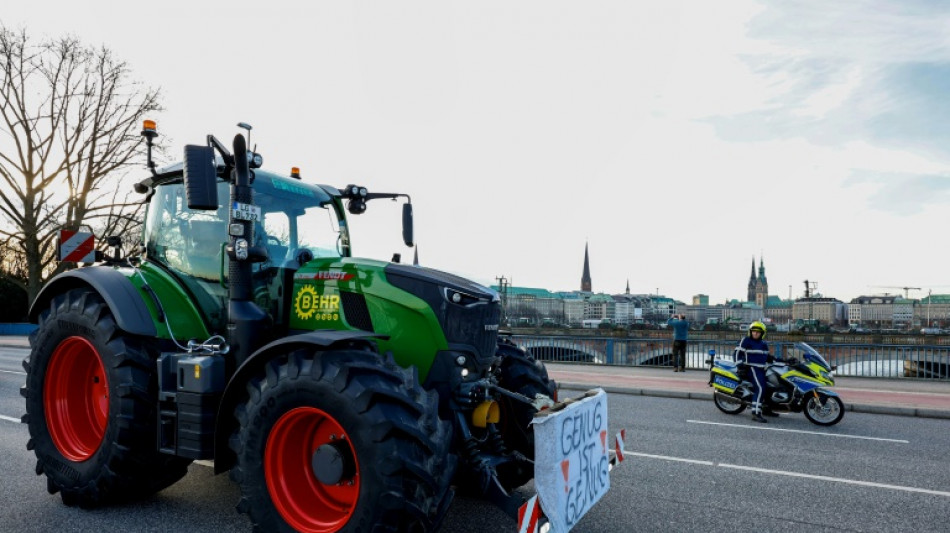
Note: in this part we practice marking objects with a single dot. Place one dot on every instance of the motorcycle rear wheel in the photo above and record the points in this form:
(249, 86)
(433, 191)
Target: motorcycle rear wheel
(827, 411)
(730, 406)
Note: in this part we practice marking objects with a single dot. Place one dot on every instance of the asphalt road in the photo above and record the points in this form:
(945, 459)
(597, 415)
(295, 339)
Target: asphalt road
(689, 468)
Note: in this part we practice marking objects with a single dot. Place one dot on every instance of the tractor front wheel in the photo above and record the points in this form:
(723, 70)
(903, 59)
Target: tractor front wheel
(520, 372)
(341, 441)
(91, 397)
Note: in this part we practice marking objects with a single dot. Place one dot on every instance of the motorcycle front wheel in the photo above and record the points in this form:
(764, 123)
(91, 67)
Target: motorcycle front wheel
(824, 410)
(728, 405)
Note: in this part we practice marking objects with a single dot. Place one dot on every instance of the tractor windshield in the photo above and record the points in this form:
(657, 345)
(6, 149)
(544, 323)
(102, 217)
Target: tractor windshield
(296, 217)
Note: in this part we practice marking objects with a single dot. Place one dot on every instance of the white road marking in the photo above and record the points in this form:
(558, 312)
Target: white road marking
(791, 474)
(13, 372)
(10, 419)
(668, 458)
(837, 480)
(840, 435)
(205, 462)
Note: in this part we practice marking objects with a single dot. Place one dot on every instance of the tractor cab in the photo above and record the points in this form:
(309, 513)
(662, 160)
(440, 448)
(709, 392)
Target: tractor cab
(297, 223)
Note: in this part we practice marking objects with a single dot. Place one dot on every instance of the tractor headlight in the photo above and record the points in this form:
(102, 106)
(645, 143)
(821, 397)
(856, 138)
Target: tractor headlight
(460, 298)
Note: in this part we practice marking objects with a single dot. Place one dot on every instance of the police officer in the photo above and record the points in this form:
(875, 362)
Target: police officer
(753, 352)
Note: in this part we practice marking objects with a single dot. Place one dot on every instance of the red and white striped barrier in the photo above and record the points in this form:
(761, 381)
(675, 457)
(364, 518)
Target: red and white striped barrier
(618, 445)
(77, 247)
(529, 515)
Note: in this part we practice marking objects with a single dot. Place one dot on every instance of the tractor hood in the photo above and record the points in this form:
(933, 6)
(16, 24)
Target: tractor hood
(467, 312)
(418, 312)
(469, 291)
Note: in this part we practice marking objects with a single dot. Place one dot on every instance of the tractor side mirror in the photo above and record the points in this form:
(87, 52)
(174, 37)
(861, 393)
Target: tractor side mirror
(407, 224)
(201, 178)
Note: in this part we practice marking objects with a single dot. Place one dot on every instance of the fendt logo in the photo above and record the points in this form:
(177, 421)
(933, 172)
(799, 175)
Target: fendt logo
(491, 327)
(333, 275)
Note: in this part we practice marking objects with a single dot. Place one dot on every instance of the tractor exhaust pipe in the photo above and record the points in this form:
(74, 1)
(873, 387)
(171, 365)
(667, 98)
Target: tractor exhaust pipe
(248, 324)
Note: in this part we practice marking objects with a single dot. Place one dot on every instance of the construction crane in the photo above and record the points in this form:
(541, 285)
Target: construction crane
(809, 287)
(905, 289)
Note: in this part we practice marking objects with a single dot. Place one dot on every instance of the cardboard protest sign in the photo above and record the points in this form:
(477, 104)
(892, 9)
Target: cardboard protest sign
(571, 460)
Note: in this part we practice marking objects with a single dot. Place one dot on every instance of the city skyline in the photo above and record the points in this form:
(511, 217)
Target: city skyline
(757, 276)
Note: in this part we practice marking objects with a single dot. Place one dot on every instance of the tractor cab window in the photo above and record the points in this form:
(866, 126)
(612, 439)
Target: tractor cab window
(296, 217)
(190, 243)
(288, 229)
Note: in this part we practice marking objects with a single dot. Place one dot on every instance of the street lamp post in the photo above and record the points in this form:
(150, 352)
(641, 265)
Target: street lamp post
(929, 299)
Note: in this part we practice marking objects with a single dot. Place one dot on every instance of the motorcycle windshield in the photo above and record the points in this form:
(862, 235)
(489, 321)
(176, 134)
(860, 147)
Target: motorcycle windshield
(811, 354)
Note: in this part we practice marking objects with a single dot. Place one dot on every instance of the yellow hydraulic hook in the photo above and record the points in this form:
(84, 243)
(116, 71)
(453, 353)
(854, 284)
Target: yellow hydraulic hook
(486, 413)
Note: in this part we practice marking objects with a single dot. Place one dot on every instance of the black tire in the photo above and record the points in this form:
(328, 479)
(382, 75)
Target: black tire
(827, 411)
(384, 424)
(730, 406)
(95, 442)
(519, 372)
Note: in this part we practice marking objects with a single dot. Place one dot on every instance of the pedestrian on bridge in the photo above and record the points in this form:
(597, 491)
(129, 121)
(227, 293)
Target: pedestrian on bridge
(680, 335)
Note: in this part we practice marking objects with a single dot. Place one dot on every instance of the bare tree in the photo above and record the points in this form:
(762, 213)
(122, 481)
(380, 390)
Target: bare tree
(12, 275)
(69, 116)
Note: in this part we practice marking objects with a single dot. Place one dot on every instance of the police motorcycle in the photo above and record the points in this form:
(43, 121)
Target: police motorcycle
(795, 384)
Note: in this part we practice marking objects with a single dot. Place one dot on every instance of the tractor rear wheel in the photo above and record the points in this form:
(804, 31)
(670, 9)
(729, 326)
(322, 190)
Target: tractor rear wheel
(91, 396)
(520, 372)
(341, 441)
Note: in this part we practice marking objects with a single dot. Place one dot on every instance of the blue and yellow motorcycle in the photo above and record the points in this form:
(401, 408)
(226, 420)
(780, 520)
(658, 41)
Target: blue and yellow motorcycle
(795, 384)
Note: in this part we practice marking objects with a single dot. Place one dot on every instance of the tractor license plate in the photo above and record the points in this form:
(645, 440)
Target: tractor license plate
(571, 459)
(241, 211)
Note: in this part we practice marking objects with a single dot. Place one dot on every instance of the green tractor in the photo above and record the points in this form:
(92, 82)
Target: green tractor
(341, 394)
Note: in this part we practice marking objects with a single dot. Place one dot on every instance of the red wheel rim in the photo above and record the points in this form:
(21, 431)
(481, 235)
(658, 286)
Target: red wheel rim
(76, 399)
(305, 503)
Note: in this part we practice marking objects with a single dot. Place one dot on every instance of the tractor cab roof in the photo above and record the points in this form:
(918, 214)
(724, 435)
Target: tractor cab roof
(278, 185)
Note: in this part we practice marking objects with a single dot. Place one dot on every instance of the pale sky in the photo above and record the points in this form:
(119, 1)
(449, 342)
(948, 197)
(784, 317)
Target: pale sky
(677, 138)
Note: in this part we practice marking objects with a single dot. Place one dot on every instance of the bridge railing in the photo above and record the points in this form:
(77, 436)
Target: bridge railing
(865, 360)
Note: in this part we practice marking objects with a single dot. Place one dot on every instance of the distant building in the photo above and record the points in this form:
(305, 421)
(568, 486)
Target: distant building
(573, 310)
(743, 312)
(585, 277)
(628, 309)
(827, 310)
(778, 310)
(660, 308)
(881, 311)
(599, 307)
(529, 305)
(699, 315)
(758, 285)
(701, 299)
(933, 311)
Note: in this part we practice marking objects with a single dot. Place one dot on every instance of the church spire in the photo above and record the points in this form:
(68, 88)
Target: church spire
(585, 278)
(750, 295)
(628, 286)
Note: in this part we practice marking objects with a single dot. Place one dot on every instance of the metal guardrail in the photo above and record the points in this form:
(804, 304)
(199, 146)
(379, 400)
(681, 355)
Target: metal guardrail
(15, 328)
(864, 360)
